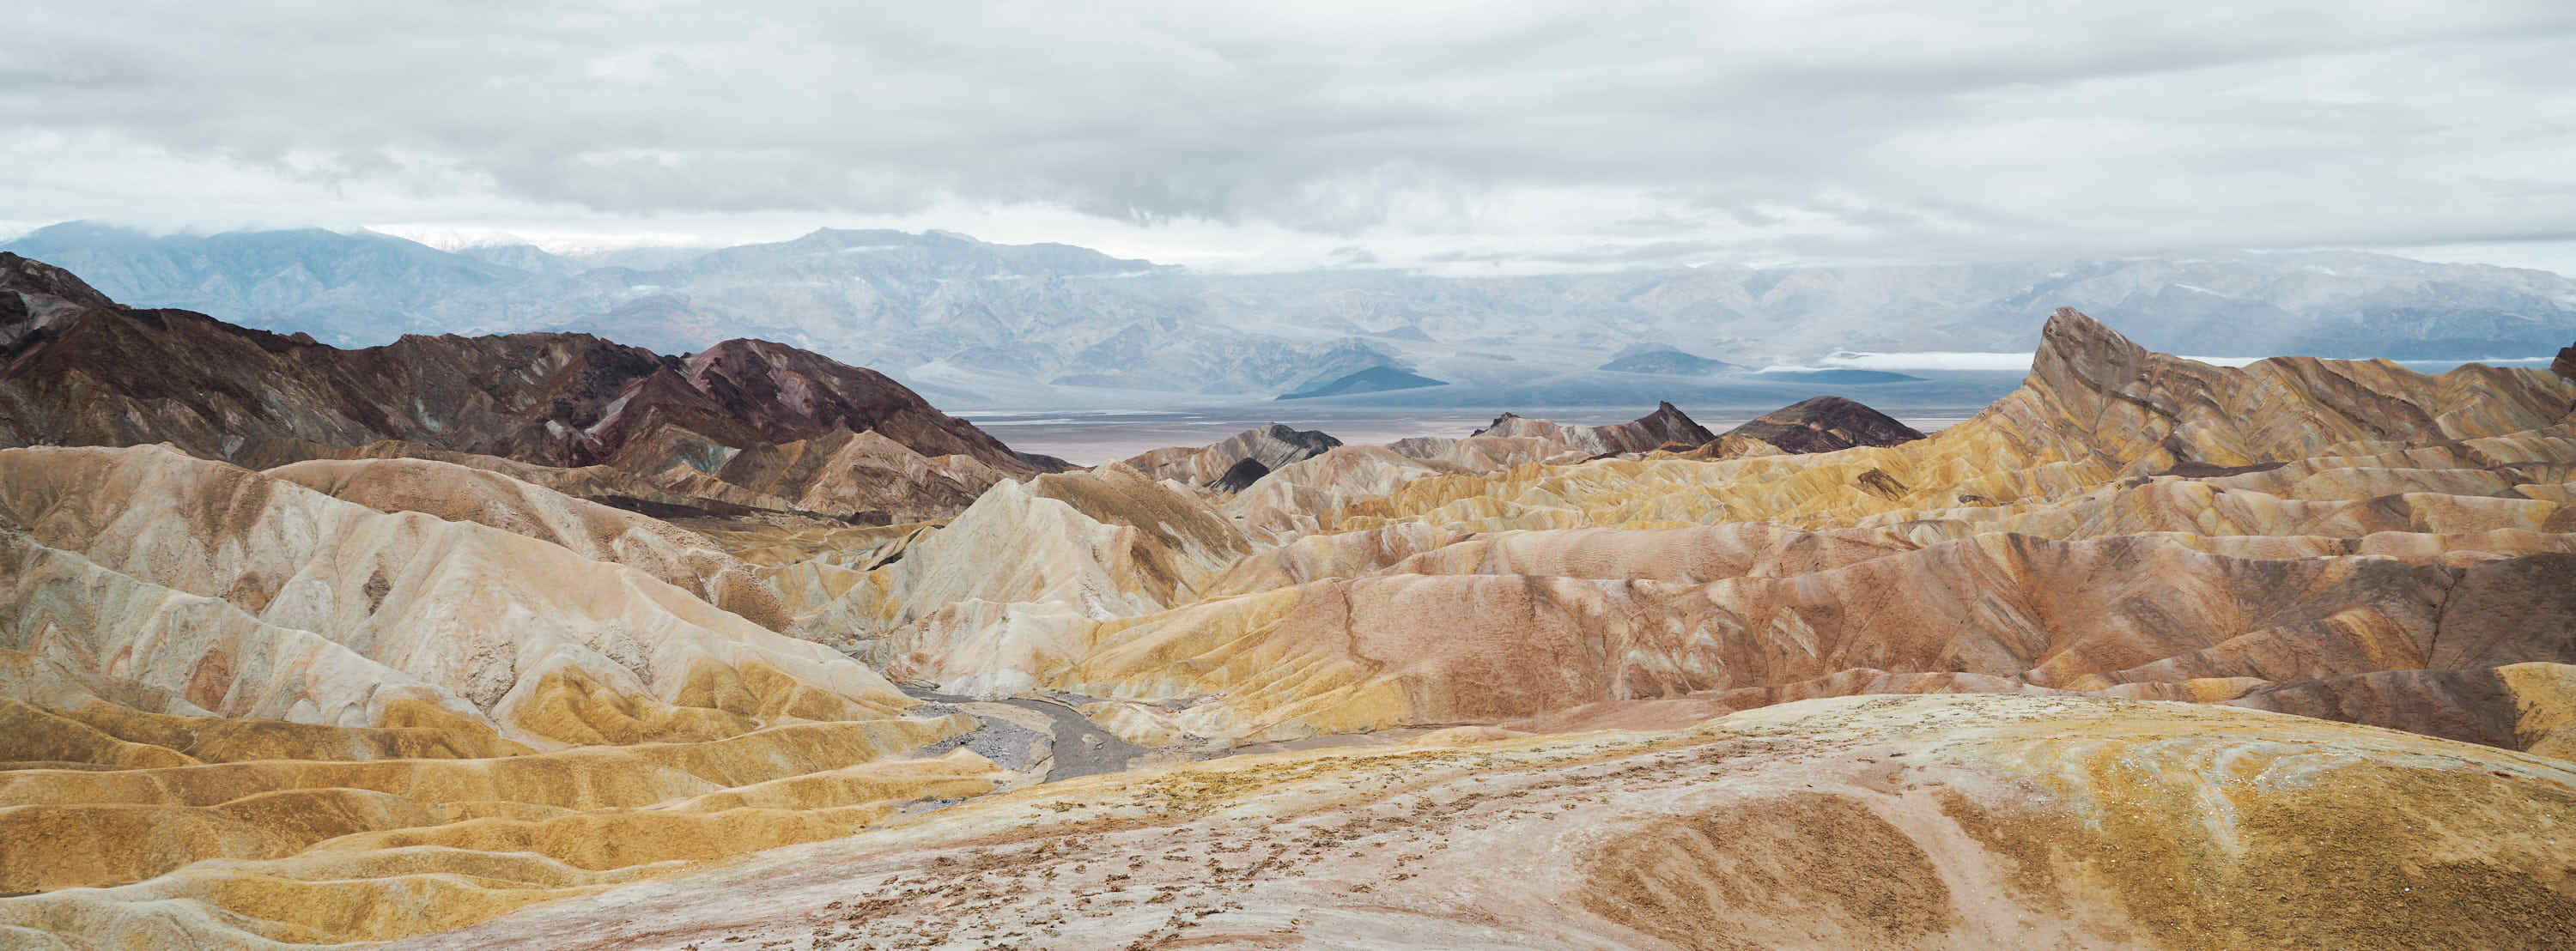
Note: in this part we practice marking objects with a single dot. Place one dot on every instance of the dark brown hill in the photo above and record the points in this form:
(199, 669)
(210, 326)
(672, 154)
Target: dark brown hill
(78, 369)
(1825, 424)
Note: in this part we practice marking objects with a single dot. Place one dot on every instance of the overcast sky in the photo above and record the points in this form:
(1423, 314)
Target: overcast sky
(1468, 138)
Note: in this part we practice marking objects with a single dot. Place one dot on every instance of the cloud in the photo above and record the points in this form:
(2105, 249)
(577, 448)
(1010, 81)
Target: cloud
(1547, 134)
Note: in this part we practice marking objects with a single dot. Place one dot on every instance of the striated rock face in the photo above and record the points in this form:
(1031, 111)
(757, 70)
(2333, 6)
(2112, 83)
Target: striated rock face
(2520, 706)
(81, 371)
(313, 609)
(1826, 424)
(864, 476)
(463, 695)
(745, 392)
(1514, 440)
(1666, 425)
(1294, 500)
(2095, 410)
(37, 297)
(1728, 446)
(1024, 561)
(1408, 649)
(462, 494)
(1861, 823)
(1221, 465)
(2127, 524)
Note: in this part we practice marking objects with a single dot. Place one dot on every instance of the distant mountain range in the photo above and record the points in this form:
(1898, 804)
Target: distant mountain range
(986, 324)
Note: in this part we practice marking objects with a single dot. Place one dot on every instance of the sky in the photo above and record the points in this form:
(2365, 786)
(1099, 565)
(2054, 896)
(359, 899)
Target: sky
(1453, 138)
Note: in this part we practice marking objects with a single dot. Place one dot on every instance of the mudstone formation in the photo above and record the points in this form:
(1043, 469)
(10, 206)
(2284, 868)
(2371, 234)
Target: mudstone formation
(544, 641)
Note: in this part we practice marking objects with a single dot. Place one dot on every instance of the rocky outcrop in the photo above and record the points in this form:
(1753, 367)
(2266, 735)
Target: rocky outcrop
(1294, 499)
(1513, 440)
(1220, 465)
(35, 297)
(2565, 365)
(1726, 446)
(2094, 394)
(1826, 424)
(1666, 425)
(49, 287)
(861, 476)
(749, 392)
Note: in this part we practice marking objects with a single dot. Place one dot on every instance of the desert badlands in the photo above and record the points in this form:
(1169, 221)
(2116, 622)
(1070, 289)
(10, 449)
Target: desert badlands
(544, 641)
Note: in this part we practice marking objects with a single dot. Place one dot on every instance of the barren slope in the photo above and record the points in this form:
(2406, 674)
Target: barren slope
(304, 719)
(1958, 822)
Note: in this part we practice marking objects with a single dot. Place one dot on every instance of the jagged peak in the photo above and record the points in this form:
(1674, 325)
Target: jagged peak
(1498, 423)
(1315, 439)
(1669, 424)
(1666, 410)
(2071, 328)
(2074, 348)
(2566, 362)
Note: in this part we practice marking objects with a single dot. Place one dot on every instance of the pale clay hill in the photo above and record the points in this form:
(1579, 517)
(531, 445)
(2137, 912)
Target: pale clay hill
(1541, 686)
(2421, 526)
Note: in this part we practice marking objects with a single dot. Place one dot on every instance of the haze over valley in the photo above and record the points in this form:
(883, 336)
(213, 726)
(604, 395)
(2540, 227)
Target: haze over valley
(983, 327)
